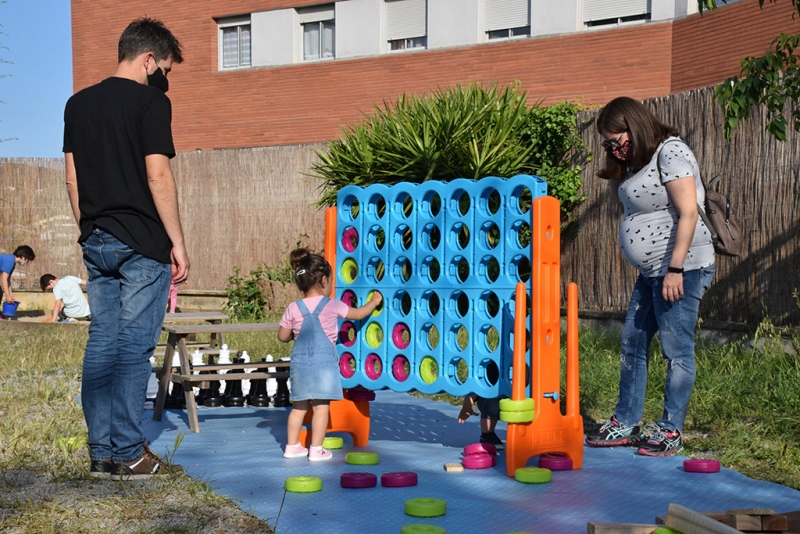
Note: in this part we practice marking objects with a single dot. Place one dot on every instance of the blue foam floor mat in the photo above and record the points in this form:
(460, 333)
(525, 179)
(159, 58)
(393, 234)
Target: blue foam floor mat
(239, 450)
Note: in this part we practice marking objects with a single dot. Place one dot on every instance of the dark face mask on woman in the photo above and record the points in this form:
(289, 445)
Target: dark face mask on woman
(624, 151)
(158, 79)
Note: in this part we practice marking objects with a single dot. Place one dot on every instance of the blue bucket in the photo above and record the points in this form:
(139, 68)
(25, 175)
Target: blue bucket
(9, 310)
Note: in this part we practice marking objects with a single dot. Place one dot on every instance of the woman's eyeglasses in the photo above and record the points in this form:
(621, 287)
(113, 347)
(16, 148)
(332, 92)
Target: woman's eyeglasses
(612, 143)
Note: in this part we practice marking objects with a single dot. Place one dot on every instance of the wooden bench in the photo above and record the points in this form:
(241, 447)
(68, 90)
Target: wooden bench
(193, 317)
(186, 374)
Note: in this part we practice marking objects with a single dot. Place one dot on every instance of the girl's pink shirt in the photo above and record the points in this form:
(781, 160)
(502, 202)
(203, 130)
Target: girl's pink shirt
(328, 317)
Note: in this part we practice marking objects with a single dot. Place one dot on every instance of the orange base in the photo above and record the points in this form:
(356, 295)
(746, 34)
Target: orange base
(526, 440)
(347, 416)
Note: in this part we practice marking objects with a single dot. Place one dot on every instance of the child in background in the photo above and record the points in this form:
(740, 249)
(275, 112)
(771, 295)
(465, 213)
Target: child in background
(314, 370)
(172, 300)
(489, 409)
(70, 303)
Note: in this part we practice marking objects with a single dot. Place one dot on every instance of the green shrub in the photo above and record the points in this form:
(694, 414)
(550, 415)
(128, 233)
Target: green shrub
(245, 299)
(458, 132)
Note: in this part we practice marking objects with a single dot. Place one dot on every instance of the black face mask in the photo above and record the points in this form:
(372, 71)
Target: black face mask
(158, 80)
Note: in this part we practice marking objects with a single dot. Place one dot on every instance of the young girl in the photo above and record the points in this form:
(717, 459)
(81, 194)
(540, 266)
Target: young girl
(314, 371)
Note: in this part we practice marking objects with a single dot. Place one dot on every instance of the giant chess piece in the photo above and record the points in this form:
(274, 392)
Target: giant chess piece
(258, 396)
(233, 396)
(281, 398)
(176, 397)
(199, 399)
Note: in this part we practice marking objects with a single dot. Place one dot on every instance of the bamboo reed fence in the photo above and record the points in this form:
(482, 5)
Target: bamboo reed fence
(249, 206)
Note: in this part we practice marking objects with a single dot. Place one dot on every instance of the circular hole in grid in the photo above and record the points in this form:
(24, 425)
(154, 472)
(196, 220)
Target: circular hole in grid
(401, 336)
(431, 303)
(489, 269)
(350, 208)
(428, 370)
(521, 268)
(491, 372)
(401, 302)
(402, 270)
(458, 270)
(490, 201)
(459, 303)
(489, 304)
(401, 368)
(523, 234)
(375, 270)
(404, 205)
(349, 239)
(349, 297)
(403, 237)
(458, 370)
(376, 206)
(376, 238)
(347, 365)
(347, 334)
(431, 204)
(373, 335)
(429, 336)
(460, 202)
(489, 337)
(373, 366)
(349, 271)
(490, 234)
(430, 270)
(459, 336)
(431, 236)
(523, 201)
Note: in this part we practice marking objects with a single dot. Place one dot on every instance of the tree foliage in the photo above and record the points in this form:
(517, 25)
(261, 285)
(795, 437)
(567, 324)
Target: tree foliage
(771, 80)
(458, 132)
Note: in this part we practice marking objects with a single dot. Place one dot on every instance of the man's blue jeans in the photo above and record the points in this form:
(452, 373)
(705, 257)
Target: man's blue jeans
(128, 295)
(649, 313)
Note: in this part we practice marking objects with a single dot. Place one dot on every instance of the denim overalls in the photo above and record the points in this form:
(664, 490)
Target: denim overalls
(314, 369)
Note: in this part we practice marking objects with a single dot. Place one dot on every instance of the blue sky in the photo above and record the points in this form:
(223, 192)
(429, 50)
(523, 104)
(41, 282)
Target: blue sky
(37, 41)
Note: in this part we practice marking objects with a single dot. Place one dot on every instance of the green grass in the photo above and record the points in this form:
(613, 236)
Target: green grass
(44, 483)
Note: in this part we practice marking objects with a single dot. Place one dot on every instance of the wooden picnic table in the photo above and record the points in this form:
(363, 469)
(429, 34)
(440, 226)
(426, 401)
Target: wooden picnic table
(209, 317)
(187, 375)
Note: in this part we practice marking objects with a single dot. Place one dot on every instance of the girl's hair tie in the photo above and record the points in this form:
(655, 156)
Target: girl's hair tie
(301, 271)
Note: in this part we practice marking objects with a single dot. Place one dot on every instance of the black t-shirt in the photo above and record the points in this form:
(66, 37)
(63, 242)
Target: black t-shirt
(109, 128)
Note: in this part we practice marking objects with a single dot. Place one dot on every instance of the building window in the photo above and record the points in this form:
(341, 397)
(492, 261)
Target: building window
(234, 42)
(506, 19)
(319, 32)
(406, 24)
(604, 13)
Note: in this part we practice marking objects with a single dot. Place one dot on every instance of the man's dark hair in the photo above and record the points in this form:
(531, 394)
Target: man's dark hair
(148, 35)
(45, 280)
(25, 252)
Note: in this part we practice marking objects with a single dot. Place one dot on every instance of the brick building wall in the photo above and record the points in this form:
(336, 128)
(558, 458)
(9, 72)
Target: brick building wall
(311, 102)
(707, 50)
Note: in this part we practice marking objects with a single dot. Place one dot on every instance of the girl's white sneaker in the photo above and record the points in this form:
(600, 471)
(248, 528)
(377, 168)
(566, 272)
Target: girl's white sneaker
(319, 454)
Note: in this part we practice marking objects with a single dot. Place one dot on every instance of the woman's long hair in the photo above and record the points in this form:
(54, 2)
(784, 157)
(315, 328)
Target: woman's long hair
(645, 132)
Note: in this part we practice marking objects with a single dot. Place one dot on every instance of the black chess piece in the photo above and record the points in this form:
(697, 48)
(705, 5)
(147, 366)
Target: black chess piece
(233, 395)
(281, 397)
(258, 396)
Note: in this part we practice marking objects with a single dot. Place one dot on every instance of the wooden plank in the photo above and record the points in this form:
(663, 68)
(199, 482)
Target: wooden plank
(774, 523)
(750, 511)
(690, 522)
(794, 520)
(619, 528)
(195, 316)
(453, 467)
(238, 366)
(221, 328)
(176, 378)
(745, 523)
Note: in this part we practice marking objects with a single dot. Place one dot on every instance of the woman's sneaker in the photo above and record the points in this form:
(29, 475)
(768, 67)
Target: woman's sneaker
(663, 442)
(614, 434)
(319, 454)
(146, 466)
(295, 451)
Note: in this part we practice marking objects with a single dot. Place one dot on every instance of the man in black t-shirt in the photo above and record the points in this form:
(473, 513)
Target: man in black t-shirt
(117, 146)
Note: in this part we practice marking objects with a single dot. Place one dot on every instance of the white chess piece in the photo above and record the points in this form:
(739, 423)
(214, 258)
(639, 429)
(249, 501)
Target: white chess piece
(152, 385)
(245, 383)
(272, 384)
(197, 359)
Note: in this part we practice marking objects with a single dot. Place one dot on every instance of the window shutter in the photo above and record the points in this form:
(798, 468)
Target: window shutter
(506, 14)
(315, 13)
(612, 9)
(406, 19)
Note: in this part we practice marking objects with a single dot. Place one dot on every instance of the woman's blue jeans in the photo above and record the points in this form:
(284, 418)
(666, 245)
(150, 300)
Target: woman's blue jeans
(128, 294)
(649, 313)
